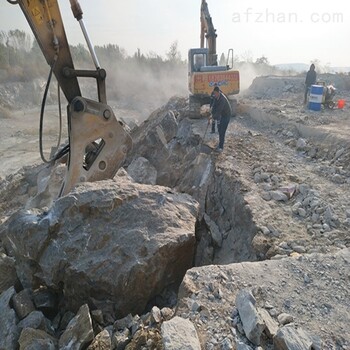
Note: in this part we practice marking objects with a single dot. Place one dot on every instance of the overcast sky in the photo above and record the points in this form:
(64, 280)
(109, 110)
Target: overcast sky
(295, 31)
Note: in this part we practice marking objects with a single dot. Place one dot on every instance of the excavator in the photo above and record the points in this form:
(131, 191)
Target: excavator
(204, 73)
(97, 142)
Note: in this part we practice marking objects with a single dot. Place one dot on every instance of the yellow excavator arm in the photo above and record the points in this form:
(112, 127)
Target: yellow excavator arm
(44, 18)
(98, 142)
(208, 32)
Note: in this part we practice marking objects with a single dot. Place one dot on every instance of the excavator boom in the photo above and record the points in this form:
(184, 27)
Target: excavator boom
(98, 142)
(208, 32)
(44, 18)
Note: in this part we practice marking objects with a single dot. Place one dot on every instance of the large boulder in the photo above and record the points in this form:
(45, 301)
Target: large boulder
(112, 244)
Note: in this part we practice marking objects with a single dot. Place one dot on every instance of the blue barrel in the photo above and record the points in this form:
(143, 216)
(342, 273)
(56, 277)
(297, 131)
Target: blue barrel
(315, 97)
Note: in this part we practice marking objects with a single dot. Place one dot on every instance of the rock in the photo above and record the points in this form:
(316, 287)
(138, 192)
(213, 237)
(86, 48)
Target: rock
(339, 153)
(338, 179)
(108, 236)
(291, 338)
(271, 325)
(142, 171)
(121, 339)
(253, 323)
(45, 301)
(313, 152)
(8, 329)
(257, 178)
(279, 196)
(79, 332)
(23, 304)
(169, 125)
(265, 230)
(36, 320)
(304, 189)
(139, 340)
(125, 322)
(156, 314)
(37, 339)
(301, 144)
(214, 231)
(167, 313)
(242, 346)
(296, 207)
(179, 334)
(302, 212)
(8, 275)
(101, 342)
(284, 319)
(299, 249)
(264, 177)
(288, 190)
(266, 196)
(226, 344)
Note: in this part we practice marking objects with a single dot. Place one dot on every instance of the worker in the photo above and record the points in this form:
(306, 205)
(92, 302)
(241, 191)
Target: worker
(212, 110)
(310, 80)
(222, 112)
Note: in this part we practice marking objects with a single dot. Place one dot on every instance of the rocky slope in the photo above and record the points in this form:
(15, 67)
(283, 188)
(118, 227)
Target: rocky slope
(265, 225)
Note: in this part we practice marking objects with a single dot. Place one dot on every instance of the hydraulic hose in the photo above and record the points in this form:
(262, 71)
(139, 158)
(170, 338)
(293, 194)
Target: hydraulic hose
(43, 103)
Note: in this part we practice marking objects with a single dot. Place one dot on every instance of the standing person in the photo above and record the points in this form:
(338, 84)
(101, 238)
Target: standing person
(212, 109)
(310, 80)
(222, 113)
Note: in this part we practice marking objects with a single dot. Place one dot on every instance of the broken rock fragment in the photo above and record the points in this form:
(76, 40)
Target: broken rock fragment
(178, 334)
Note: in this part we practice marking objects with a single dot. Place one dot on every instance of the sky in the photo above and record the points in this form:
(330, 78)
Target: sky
(297, 31)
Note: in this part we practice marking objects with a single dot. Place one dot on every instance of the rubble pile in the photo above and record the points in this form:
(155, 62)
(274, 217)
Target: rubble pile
(272, 87)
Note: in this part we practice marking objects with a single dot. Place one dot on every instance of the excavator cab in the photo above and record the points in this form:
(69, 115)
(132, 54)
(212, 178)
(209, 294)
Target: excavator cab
(198, 59)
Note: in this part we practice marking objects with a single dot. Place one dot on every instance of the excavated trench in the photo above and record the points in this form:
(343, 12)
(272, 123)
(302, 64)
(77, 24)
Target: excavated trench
(225, 233)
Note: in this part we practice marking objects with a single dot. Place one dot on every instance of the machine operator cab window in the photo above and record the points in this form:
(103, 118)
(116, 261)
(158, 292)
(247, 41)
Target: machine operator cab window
(199, 62)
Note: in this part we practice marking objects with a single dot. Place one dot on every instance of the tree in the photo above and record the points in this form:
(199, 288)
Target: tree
(19, 40)
(174, 55)
(262, 60)
(80, 54)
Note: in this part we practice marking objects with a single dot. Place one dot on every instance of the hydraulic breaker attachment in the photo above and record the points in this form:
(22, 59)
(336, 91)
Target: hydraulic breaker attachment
(98, 143)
